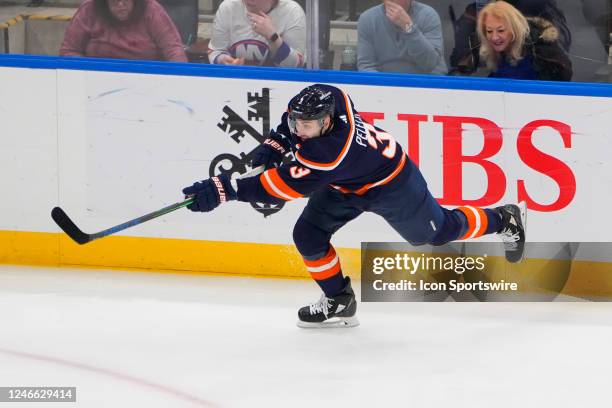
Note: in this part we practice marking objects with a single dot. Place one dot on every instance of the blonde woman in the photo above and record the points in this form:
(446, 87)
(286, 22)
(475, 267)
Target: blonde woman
(520, 48)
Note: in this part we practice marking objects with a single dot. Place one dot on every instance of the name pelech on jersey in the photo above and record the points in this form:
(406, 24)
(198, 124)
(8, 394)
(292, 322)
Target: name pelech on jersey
(353, 157)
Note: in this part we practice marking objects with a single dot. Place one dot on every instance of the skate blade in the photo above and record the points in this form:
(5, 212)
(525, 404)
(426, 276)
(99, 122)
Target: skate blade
(336, 322)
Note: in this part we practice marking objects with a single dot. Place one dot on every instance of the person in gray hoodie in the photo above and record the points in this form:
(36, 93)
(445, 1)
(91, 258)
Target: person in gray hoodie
(400, 36)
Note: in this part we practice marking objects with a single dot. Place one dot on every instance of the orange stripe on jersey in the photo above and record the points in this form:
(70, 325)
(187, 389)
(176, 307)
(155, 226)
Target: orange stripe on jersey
(269, 189)
(345, 149)
(341, 189)
(387, 179)
(477, 221)
(275, 186)
(384, 181)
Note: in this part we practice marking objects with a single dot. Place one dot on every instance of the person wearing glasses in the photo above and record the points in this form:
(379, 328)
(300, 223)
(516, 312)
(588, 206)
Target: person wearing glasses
(123, 29)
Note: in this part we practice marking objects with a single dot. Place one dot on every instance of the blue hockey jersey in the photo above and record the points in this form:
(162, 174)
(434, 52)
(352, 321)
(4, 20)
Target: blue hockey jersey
(353, 157)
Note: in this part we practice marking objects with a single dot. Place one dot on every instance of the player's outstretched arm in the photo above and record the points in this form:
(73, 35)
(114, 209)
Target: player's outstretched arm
(210, 193)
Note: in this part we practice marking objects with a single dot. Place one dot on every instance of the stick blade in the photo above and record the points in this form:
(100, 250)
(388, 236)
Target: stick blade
(69, 227)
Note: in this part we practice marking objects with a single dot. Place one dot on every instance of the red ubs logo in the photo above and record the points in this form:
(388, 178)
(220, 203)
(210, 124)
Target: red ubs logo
(497, 183)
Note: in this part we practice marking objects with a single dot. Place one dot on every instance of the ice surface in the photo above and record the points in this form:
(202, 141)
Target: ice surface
(138, 339)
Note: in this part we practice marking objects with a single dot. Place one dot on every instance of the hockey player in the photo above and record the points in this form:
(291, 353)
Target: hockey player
(346, 167)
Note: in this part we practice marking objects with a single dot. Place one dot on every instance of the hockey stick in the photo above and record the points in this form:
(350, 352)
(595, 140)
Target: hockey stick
(69, 227)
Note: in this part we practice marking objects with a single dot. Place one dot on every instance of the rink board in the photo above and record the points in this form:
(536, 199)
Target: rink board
(108, 146)
(549, 274)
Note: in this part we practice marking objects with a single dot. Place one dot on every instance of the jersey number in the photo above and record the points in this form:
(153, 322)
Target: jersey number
(375, 135)
(298, 172)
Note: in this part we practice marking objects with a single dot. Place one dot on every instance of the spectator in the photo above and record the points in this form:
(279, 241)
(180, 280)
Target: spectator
(516, 47)
(464, 58)
(124, 29)
(400, 36)
(259, 32)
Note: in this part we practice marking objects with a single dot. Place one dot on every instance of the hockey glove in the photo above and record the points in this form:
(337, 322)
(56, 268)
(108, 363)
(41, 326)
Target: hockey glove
(210, 193)
(271, 152)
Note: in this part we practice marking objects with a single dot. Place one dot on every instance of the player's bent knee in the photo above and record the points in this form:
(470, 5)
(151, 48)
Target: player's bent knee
(309, 239)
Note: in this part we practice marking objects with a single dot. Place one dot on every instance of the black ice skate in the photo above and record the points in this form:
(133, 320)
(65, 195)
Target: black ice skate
(513, 230)
(337, 311)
